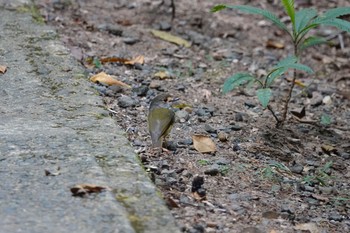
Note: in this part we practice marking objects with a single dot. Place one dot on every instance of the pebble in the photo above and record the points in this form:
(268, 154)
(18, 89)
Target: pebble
(327, 100)
(236, 147)
(180, 87)
(141, 90)
(239, 117)
(345, 155)
(186, 142)
(213, 170)
(223, 137)
(222, 161)
(164, 26)
(235, 127)
(326, 190)
(130, 40)
(209, 129)
(172, 146)
(126, 101)
(335, 217)
(154, 84)
(202, 112)
(249, 104)
(182, 116)
(297, 168)
(112, 28)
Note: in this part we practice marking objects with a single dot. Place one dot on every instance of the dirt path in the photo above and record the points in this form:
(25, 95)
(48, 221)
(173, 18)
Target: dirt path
(260, 179)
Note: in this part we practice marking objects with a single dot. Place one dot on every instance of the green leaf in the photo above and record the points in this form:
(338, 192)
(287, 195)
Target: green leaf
(326, 119)
(333, 13)
(286, 61)
(291, 63)
(338, 23)
(289, 8)
(257, 11)
(264, 96)
(301, 67)
(275, 74)
(312, 41)
(218, 8)
(303, 18)
(235, 81)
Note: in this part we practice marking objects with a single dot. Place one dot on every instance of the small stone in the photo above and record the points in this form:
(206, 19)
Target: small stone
(130, 40)
(249, 104)
(235, 127)
(345, 155)
(202, 119)
(137, 142)
(155, 84)
(213, 170)
(202, 112)
(141, 90)
(114, 29)
(222, 136)
(236, 147)
(222, 161)
(297, 168)
(316, 99)
(180, 87)
(164, 26)
(182, 116)
(326, 190)
(309, 188)
(170, 145)
(335, 217)
(327, 100)
(113, 91)
(239, 116)
(186, 142)
(126, 101)
(209, 129)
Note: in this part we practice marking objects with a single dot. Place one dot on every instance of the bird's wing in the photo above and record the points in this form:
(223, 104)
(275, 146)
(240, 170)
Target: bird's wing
(162, 119)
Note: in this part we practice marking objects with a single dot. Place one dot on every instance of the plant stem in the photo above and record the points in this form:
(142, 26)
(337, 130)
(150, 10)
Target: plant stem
(274, 115)
(289, 95)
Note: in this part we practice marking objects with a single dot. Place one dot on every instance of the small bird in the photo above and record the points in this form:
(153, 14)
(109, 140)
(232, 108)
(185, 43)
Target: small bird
(160, 119)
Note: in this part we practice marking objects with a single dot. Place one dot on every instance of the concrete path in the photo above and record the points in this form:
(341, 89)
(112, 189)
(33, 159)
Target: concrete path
(51, 119)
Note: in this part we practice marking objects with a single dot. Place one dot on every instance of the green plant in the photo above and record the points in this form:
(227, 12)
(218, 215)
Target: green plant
(275, 171)
(203, 162)
(302, 22)
(320, 177)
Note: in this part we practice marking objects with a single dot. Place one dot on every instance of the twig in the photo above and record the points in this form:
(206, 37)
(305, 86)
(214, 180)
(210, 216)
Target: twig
(274, 114)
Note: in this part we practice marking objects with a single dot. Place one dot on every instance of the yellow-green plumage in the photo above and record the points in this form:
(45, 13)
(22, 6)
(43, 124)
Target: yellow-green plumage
(160, 119)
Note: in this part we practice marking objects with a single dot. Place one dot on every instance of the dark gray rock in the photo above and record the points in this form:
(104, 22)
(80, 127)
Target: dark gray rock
(125, 101)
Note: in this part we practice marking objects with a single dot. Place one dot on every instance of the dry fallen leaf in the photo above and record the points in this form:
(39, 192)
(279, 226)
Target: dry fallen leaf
(171, 38)
(328, 149)
(310, 226)
(274, 44)
(203, 143)
(83, 189)
(107, 80)
(3, 69)
(297, 82)
(163, 75)
(139, 59)
(299, 112)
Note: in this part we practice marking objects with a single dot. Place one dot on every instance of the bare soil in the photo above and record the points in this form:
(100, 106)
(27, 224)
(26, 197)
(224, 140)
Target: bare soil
(260, 179)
